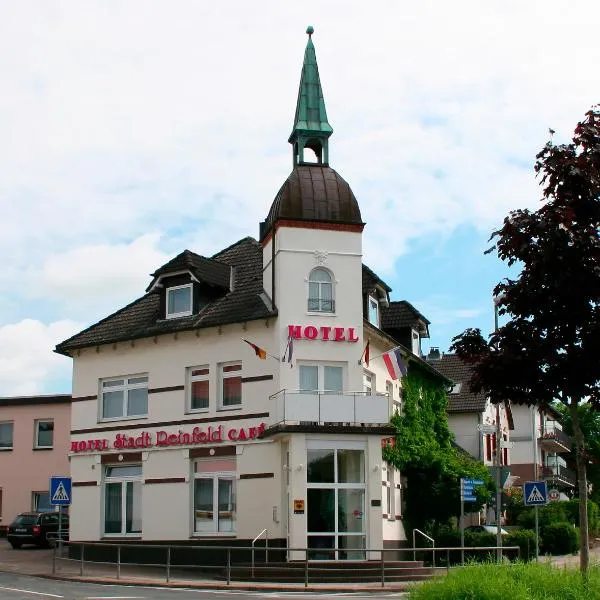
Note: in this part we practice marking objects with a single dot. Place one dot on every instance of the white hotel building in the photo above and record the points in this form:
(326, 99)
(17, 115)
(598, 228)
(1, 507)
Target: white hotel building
(181, 433)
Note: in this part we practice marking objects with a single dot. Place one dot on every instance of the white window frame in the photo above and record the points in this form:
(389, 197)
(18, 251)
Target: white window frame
(321, 376)
(35, 502)
(369, 381)
(215, 476)
(12, 435)
(36, 440)
(373, 299)
(390, 493)
(319, 298)
(124, 387)
(186, 313)
(227, 375)
(190, 381)
(123, 480)
(337, 486)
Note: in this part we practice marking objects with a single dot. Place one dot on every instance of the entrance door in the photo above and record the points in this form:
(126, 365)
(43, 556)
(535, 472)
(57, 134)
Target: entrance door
(336, 503)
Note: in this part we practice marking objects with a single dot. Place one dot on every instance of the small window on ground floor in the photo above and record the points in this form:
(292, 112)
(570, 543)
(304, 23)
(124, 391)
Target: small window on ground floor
(214, 496)
(41, 501)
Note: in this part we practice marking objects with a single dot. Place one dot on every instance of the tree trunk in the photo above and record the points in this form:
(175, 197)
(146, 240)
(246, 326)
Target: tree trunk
(584, 554)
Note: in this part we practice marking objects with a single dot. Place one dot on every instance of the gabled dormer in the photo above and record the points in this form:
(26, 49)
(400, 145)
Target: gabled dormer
(375, 296)
(189, 282)
(406, 324)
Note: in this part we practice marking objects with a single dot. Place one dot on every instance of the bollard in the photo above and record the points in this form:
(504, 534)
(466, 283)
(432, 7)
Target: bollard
(382, 568)
(306, 568)
(81, 561)
(118, 562)
(168, 564)
(228, 566)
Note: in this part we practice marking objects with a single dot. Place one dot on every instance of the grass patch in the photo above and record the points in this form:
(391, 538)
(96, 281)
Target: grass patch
(511, 582)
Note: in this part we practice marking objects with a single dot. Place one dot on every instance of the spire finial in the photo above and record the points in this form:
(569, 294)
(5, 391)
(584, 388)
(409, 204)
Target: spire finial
(310, 30)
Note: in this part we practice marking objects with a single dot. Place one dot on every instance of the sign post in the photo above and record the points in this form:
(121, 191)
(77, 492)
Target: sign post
(60, 495)
(467, 487)
(534, 494)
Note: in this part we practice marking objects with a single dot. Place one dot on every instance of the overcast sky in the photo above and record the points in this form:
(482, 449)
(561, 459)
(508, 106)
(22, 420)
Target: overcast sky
(130, 130)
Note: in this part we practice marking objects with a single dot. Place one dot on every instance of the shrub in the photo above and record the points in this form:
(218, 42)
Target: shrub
(525, 539)
(572, 509)
(530, 581)
(560, 538)
(555, 512)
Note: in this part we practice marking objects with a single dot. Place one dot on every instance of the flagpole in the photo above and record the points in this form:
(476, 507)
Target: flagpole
(267, 353)
(378, 355)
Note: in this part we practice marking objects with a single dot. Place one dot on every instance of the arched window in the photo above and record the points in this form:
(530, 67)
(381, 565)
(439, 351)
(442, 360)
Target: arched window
(320, 291)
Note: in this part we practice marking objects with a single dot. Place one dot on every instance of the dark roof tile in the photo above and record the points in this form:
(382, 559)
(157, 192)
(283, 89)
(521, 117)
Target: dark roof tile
(209, 270)
(141, 318)
(401, 314)
(460, 372)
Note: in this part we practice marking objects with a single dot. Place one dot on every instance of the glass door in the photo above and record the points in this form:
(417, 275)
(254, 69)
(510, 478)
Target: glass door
(336, 490)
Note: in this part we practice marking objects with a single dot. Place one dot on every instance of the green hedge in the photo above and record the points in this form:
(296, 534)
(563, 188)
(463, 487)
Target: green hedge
(560, 538)
(530, 581)
(572, 509)
(525, 539)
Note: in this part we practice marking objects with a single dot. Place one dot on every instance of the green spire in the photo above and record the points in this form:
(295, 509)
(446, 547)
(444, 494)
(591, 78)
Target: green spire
(311, 128)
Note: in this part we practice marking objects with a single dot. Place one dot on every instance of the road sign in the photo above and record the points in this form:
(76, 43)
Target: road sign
(553, 495)
(486, 429)
(60, 490)
(535, 493)
(467, 482)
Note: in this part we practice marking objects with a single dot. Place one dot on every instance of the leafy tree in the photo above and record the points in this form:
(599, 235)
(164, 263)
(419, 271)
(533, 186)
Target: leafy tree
(548, 349)
(589, 420)
(425, 453)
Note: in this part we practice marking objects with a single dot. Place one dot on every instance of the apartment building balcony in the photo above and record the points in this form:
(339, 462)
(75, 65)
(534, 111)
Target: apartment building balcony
(295, 410)
(554, 439)
(559, 475)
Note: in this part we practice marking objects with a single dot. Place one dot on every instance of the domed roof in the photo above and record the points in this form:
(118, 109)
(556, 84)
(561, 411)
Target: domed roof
(314, 193)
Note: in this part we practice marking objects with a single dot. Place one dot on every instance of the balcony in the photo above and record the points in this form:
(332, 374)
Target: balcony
(560, 475)
(318, 409)
(554, 439)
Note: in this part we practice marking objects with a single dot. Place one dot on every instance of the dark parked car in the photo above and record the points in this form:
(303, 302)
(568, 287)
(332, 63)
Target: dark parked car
(37, 528)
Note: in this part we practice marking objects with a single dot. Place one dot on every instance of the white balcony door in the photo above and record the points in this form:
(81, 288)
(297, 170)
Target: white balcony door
(320, 377)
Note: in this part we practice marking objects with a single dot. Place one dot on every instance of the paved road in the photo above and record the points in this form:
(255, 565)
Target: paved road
(23, 587)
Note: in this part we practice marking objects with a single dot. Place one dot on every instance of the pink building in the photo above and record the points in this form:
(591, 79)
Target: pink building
(34, 438)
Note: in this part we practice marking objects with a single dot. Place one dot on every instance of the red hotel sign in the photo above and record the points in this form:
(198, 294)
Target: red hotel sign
(325, 333)
(162, 439)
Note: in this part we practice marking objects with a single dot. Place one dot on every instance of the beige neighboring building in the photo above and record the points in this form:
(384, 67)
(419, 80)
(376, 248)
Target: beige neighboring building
(34, 438)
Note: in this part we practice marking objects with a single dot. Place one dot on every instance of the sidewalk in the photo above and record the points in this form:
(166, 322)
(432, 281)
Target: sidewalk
(38, 562)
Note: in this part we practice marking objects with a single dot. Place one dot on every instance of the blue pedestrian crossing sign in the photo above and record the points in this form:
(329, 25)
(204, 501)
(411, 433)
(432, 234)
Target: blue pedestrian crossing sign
(60, 490)
(535, 493)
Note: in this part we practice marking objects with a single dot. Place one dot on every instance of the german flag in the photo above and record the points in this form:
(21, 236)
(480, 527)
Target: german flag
(260, 352)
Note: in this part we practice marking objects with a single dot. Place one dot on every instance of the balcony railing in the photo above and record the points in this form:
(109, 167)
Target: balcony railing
(560, 474)
(555, 440)
(299, 407)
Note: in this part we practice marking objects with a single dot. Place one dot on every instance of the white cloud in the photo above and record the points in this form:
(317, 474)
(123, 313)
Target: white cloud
(87, 279)
(129, 117)
(27, 363)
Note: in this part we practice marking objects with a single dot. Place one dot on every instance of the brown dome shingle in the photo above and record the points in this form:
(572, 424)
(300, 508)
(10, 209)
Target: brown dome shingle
(314, 193)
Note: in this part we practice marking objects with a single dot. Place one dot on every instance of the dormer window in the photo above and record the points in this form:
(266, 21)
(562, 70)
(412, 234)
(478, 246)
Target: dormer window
(320, 291)
(373, 311)
(179, 301)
